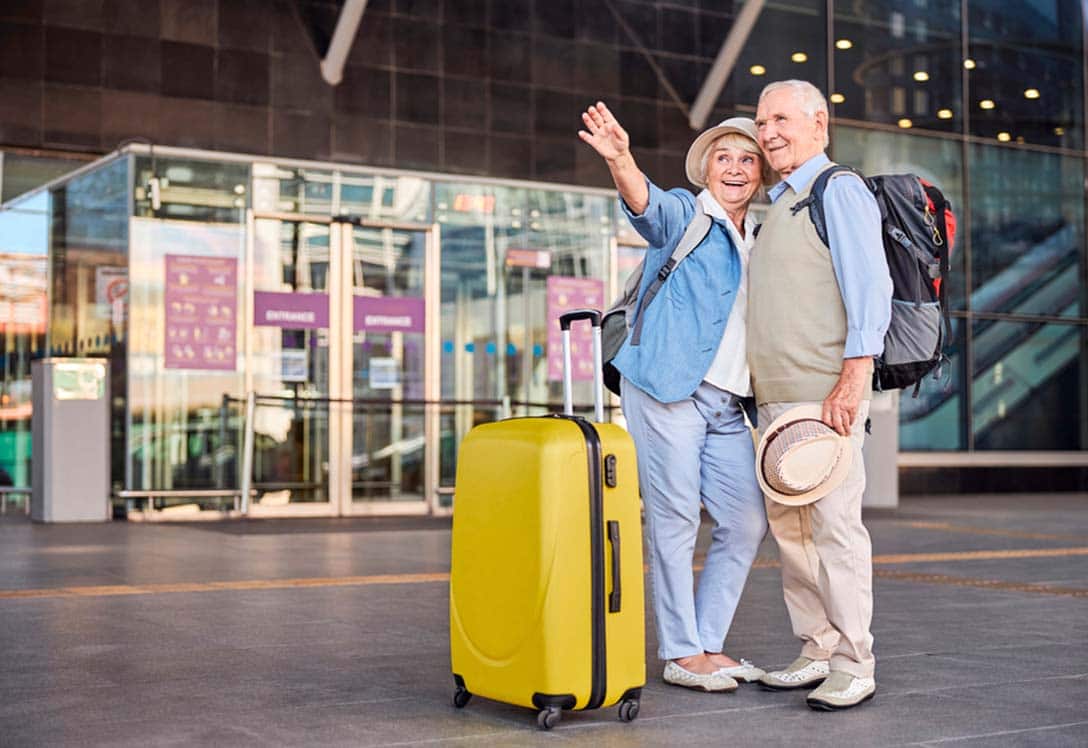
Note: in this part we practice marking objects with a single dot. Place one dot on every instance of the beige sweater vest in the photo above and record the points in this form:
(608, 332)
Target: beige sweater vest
(796, 317)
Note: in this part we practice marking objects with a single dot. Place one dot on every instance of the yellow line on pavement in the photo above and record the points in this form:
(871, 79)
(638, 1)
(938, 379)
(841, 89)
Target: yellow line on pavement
(245, 584)
(986, 584)
(921, 558)
(359, 581)
(970, 530)
(888, 559)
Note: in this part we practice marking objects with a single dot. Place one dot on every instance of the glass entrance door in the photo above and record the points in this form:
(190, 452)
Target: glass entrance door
(391, 373)
(345, 373)
(288, 348)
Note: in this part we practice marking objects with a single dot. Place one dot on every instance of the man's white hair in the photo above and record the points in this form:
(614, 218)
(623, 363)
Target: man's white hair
(807, 96)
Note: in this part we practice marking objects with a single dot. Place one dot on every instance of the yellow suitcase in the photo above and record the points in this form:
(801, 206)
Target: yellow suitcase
(546, 595)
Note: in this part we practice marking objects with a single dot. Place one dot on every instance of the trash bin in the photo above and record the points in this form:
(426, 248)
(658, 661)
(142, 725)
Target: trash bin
(70, 453)
(881, 452)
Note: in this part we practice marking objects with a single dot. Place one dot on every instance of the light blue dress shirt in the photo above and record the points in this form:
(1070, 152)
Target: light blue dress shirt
(857, 254)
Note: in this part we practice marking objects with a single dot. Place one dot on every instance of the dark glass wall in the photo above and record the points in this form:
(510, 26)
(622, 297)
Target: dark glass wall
(1025, 78)
(898, 63)
(989, 105)
(88, 253)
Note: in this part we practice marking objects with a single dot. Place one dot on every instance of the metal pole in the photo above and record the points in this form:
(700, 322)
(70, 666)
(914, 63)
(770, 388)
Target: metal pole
(332, 66)
(247, 452)
(568, 401)
(598, 374)
(724, 62)
(526, 354)
(217, 454)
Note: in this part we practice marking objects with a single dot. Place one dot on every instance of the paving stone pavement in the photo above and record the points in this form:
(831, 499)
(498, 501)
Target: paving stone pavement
(334, 632)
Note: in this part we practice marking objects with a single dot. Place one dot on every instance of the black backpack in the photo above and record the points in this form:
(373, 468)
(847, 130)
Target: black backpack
(918, 228)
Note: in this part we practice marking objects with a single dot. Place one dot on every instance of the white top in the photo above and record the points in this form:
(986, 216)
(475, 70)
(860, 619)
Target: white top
(729, 369)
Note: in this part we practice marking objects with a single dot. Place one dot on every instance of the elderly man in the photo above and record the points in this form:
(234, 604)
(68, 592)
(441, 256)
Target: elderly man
(816, 320)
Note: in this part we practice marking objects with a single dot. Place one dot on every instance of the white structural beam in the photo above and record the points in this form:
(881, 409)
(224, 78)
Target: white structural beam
(332, 67)
(723, 63)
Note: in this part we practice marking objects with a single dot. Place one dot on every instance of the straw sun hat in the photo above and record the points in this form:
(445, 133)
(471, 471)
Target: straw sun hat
(693, 163)
(800, 459)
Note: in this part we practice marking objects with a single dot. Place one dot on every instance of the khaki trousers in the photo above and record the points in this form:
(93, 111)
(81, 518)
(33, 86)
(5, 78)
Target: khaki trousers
(827, 564)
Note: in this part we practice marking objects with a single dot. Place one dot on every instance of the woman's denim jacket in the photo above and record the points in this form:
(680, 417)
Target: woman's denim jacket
(683, 326)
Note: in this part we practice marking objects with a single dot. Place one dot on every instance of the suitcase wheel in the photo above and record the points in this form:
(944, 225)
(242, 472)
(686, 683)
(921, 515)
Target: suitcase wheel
(549, 717)
(461, 697)
(628, 709)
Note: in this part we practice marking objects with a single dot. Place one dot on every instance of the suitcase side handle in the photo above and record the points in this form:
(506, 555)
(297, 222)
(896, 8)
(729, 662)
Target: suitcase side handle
(565, 321)
(614, 541)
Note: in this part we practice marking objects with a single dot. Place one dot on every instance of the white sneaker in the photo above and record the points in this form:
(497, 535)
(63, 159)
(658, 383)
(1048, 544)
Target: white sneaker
(802, 672)
(745, 672)
(841, 691)
(714, 682)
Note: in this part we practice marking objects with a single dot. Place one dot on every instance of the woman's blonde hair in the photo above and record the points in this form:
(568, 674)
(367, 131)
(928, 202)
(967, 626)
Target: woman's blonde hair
(746, 144)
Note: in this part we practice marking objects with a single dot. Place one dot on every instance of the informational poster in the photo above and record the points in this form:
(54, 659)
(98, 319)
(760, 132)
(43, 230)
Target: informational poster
(294, 365)
(201, 298)
(384, 373)
(389, 313)
(565, 294)
(529, 258)
(79, 380)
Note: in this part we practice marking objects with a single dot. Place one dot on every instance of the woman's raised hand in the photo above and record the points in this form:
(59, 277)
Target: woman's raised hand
(611, 141)
(604, 132)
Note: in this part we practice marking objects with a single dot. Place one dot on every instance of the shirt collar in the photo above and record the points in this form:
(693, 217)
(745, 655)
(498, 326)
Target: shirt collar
(714, 209)
(711, 206)
(800, 178)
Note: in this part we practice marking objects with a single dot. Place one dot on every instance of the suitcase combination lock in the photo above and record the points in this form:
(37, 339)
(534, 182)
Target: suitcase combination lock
(610, 471)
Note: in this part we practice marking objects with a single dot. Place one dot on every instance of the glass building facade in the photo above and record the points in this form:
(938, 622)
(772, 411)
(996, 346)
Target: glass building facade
(985, 99)
(376, 315)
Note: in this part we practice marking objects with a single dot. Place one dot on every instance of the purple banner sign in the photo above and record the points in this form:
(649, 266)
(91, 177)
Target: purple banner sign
(293, 311)
(201, 302)
(389, 313)
(565, 294)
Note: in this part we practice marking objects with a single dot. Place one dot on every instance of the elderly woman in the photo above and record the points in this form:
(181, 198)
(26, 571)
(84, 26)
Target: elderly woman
(685, 388)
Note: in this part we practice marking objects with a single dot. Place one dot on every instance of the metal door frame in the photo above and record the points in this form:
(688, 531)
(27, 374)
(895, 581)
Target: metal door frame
(340, 291)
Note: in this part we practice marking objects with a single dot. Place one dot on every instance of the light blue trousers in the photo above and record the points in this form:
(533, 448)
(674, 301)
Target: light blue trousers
(692, 451)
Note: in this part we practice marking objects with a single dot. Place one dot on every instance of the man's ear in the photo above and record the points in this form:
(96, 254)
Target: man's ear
(821, 122)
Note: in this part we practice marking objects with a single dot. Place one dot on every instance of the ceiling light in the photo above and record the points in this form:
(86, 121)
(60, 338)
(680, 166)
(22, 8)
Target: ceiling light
(757, 70)
(799, 57)
(1059, 131)
(921, 76)
(905, 123)
(986, 104)
(1031, 93)
(1004, 137)
(969, 64)
(844, 44)
(837, 98)
(944, 114)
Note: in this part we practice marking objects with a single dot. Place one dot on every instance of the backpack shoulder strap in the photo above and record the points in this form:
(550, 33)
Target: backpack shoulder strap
(815, 200)
(693, 236)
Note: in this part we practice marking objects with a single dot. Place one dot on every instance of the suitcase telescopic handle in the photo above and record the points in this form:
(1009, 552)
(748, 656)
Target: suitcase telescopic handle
(574, 315)
(565, 321)
(614, 540)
